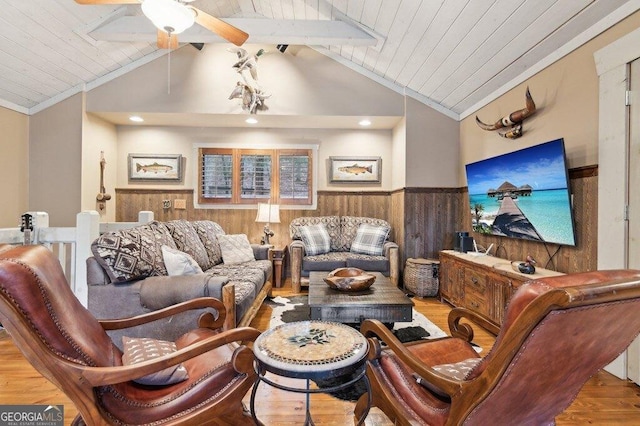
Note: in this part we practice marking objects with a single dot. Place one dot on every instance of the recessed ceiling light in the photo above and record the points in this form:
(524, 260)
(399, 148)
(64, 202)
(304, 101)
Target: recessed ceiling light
(365, 122)
(251, 120)
(136, 119)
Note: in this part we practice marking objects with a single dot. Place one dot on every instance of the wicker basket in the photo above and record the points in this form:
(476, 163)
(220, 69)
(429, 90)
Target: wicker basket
(421, 276)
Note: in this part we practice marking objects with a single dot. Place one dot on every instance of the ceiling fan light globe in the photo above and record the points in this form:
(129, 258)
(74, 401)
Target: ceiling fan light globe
(169, 15)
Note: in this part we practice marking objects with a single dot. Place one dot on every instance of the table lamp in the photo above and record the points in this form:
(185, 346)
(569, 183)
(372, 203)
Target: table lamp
(268, 213)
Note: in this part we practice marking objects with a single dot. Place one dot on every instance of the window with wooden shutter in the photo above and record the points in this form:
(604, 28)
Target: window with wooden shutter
(294, 178)
(216, 176)
(246, 176)
(255, 176)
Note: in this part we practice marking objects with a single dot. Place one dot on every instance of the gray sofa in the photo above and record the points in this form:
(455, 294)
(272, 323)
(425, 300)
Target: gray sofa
(342, 232)
(127, 276)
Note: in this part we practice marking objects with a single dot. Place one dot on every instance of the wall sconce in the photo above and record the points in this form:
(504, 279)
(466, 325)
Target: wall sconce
(268, 213)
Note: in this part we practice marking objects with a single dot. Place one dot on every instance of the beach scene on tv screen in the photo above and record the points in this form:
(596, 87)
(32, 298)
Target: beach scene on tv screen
(523, 194)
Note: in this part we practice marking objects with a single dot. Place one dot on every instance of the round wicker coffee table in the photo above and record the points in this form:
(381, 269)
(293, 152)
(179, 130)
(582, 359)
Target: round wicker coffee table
(311, 350)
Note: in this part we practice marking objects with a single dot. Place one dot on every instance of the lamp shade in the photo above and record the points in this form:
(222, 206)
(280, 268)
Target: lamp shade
(169, 15)
(268, 213)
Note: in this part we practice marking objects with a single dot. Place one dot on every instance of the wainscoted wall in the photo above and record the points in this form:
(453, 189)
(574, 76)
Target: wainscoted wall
(236, 221)
(423, 220)
(431, 216)
(397, 220)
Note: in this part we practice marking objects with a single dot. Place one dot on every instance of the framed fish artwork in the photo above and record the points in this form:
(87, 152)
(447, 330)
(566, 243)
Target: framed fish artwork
(355, 169)
(155, 167)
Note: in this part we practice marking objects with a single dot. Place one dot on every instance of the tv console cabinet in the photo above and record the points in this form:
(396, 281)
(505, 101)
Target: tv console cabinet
(483, 284)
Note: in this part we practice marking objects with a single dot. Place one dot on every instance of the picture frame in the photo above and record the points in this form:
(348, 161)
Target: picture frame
(155, 167)
(355, 169)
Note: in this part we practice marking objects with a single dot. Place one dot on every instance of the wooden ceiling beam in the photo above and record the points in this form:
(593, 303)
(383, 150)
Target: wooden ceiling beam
(266, 31)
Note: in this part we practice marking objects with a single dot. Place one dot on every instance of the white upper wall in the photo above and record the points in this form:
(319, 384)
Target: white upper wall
(99, 138)
(301, 82)
(399, 155)
(55, 161)
(183, 140)
(66, 139)
(14, 166)
(432, 147)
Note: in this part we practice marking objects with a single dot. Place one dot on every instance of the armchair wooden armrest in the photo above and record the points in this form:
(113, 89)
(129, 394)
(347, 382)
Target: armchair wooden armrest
(465, 331)
(242, 359)
(206, 320)
(544, 352)
(69, 346)
(373, 328)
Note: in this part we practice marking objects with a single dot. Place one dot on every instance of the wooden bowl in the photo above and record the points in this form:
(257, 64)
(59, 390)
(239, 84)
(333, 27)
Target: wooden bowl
(349, 279)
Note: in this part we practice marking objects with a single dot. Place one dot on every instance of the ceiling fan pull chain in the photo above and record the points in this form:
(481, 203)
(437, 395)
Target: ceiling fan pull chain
(169, 68)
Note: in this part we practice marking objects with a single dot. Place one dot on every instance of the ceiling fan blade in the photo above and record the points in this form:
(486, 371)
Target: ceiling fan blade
(166, 41)
(224, 30)
(108, 1)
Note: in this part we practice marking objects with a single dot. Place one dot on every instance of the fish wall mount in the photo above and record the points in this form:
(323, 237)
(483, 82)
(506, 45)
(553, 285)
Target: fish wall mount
(155, 167)
(355, 169)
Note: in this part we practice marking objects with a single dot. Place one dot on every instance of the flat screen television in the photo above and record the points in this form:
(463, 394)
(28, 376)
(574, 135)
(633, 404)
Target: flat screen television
(523, 194)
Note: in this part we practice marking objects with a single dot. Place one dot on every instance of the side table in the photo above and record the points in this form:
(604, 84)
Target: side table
(311, 350)
(276, 255)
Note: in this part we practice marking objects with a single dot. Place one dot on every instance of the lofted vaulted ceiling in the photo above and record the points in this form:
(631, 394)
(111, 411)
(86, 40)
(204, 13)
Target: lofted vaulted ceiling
(454, 55)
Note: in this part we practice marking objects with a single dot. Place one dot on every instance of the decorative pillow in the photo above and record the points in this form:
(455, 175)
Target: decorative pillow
(370, 239)
(138, 350)
(349, 226)
(179, 263)
(315, 238)
(331, 223)
(208, 232)
(235, 249)
(133, 253)
(188, 241)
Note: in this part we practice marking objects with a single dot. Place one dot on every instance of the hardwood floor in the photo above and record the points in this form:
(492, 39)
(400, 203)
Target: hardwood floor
(604, 400)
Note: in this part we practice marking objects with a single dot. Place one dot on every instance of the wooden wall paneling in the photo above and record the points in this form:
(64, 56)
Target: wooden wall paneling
(242, 220)
(423, 220)
(344, 203)
(130, 201)
(432, 217)
(451, 209)
(397, 221)
(415, 224)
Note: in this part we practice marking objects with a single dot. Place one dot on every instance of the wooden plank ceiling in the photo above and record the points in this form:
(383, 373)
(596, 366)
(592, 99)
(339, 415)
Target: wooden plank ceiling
(455, 55)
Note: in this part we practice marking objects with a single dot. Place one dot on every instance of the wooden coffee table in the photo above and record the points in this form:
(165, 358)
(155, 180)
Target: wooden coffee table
(382, 301)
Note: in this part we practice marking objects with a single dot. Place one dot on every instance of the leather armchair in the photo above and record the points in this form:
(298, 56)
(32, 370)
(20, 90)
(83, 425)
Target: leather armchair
(557, 333)
(69, 347)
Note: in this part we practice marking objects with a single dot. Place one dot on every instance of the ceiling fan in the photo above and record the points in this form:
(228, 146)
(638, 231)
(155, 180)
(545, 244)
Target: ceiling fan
(172, 17)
